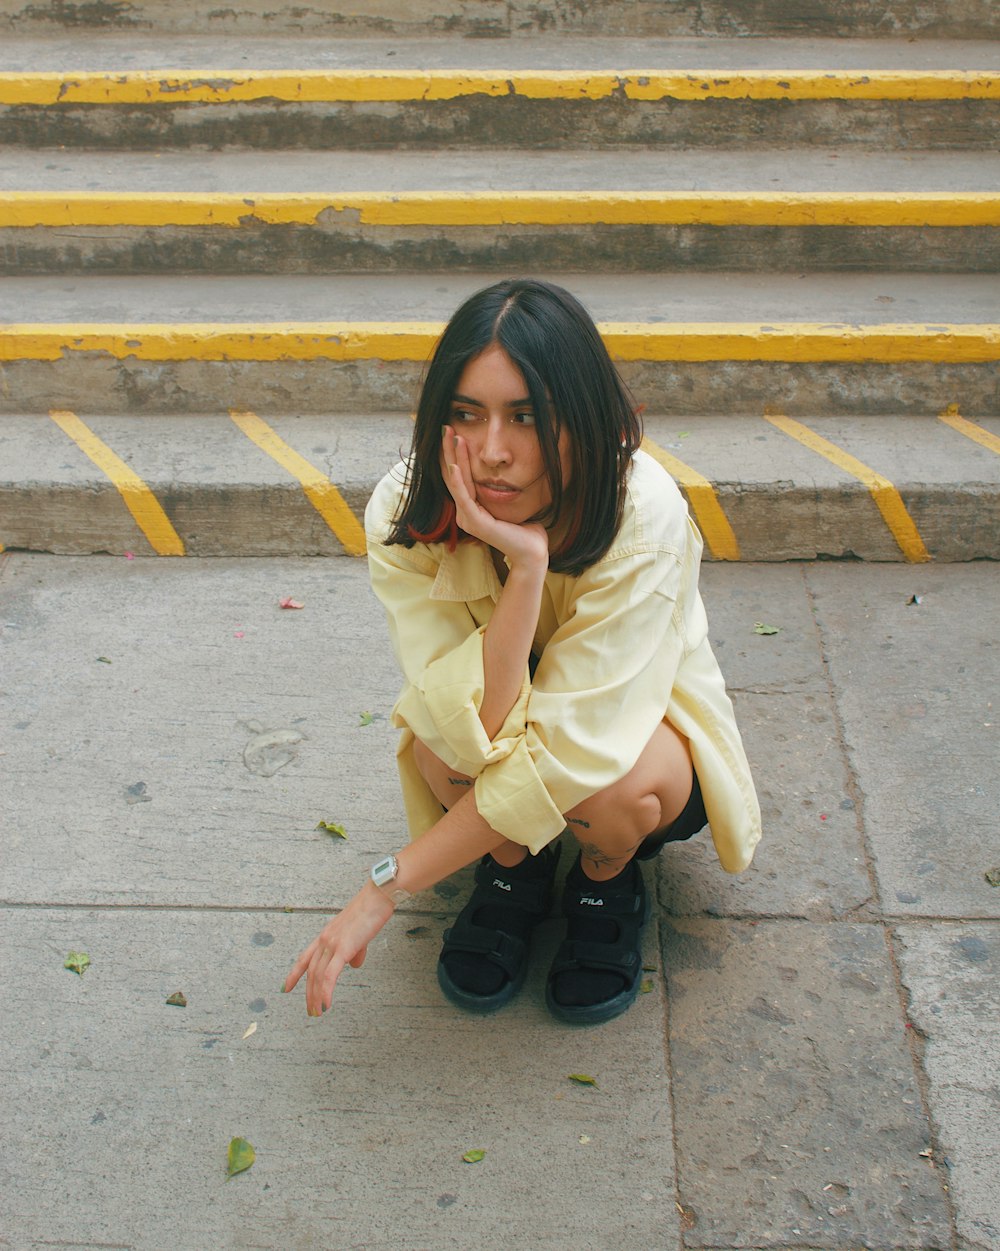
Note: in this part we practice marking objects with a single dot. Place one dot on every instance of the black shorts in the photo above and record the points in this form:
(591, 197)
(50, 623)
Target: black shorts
(691, 819)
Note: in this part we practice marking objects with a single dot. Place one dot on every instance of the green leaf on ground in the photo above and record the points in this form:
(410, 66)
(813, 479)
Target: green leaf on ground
(646, 986)
(474, 1156)
(582, 1079)
(241, 1156)
(760, 628)
(993, 876)
(77, 962)
(367, 718)
(103, 660)
(177, 1000)
(331, 827)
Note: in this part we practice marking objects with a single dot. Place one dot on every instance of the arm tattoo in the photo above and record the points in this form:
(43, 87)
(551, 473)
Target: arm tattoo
(579, 821)
(460, 781)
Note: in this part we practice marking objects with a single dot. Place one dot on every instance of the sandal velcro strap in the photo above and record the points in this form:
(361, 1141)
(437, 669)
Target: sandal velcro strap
(605, 903)
(507, 950)
(574, 954)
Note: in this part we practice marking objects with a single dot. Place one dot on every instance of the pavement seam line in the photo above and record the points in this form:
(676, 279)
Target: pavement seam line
(319, 490)
(227, 210)
(886, 496)
(139, 499)
(712, 520)
(969, 429)
(413, 341)
(221, 86)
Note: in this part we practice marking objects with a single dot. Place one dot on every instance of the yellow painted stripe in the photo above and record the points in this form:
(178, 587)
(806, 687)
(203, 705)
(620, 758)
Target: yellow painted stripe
(414, 341)
(319, 490)
(887, 498)
(28, 209)
(225, 85)
(985, 438)
(139, 499)
(712, 521)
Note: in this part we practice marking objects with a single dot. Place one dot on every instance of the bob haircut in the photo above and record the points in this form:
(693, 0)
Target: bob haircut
(573, 385)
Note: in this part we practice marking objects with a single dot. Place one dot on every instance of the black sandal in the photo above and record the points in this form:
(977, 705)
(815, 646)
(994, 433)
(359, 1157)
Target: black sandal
(500, 950)
(623, 903)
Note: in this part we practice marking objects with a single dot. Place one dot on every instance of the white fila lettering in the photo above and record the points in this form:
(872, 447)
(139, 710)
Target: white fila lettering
(502, 885)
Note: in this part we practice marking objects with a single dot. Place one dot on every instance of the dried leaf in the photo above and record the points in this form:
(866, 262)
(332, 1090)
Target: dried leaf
(331, 827)
(474, 1156)
(915, 599)
(251, 1029)
(760, 628)
(367, 718)
(103, 660)
(646, 986)
(585, 1138)
(582, 1079)
(177, 1000)
(288, 602)
(993, 876)
(688, 1216)
(77, 962)
(241, 1156)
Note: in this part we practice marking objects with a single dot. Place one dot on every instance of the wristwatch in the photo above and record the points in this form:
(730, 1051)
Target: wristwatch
(384, 874)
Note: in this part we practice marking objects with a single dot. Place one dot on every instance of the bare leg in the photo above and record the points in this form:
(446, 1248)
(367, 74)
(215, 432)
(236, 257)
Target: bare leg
(611, 825)
(448, 786)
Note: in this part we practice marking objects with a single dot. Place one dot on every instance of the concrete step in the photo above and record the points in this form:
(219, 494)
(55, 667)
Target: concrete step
(863, 344)
(117, 91)
(254, 484)
(76, 212)
(512, 18)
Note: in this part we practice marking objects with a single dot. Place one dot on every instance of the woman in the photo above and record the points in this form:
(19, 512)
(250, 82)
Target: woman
(539, 574)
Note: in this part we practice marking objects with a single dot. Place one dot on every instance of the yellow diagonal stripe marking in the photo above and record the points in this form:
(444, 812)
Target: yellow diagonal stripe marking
(889, 501)
(319, 490)
(985, 438)
(139, 499)
(222, 86)
(712, 521)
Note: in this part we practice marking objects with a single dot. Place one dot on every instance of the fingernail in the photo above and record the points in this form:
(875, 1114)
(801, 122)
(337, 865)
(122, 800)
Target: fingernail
(445, 429)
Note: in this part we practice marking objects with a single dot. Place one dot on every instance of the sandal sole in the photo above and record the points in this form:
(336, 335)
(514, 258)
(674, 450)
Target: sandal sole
(479, 1005)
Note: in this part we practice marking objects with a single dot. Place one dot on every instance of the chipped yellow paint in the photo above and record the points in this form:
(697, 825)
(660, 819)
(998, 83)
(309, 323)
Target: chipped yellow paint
(224, 86)
(984, 438)
(712, 521)
(139, 499)
(26, 209)
(319, 490)
(887, 498)
(414, 341)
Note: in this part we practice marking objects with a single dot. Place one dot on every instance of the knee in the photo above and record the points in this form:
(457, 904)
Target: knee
(621, 809)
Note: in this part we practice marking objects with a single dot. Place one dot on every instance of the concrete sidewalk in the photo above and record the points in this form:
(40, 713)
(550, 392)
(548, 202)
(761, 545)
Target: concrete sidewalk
(814, 1066)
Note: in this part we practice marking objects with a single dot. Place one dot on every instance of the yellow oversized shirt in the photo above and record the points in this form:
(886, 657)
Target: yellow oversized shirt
(621, 647)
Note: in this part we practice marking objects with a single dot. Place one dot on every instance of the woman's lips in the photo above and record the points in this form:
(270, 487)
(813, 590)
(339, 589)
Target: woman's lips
(497, 491)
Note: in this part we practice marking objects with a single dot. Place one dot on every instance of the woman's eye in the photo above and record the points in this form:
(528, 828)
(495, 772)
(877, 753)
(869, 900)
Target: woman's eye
(524, 419)
(462, 415)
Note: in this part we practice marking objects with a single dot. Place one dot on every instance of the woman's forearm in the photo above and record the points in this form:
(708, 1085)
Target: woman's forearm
(460, 838)
(507, 643)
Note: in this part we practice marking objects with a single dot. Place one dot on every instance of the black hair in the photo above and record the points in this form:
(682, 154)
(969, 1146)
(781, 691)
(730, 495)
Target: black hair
(573, 385)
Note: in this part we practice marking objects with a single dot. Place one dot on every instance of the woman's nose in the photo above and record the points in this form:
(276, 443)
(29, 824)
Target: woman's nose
(495, 449)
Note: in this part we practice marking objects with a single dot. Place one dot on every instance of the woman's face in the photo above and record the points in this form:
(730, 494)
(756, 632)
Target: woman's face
(492, 411)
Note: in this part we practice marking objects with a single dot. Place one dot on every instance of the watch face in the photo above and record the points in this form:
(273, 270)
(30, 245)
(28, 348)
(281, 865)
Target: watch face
(384, 871)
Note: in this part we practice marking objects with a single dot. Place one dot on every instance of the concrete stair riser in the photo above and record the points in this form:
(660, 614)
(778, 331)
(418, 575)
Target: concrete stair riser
(955, 19)
(352, 248)
(534, 124)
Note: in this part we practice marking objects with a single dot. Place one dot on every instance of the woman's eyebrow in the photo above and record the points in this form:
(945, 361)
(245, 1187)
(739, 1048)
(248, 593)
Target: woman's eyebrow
(467, 399)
